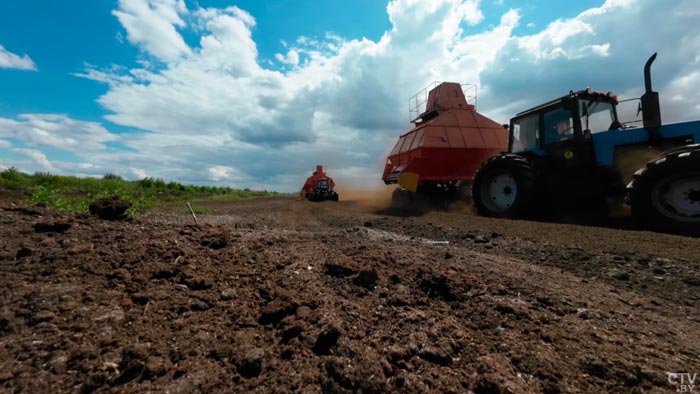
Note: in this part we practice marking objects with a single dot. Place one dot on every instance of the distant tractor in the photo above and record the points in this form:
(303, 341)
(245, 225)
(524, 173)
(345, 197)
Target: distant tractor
(436, 160)
(569, 151)
(319, 187)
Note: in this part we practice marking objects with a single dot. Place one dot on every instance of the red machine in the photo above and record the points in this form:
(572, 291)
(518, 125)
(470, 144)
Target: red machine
(319, 186)
(442, 152)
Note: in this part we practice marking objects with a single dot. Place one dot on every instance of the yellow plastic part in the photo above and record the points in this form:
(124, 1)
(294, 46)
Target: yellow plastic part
(409, 181)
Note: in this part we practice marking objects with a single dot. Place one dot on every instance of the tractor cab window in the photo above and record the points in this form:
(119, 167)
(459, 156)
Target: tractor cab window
(322, 184)
(526, 133)
(558, 125)
(597, 116)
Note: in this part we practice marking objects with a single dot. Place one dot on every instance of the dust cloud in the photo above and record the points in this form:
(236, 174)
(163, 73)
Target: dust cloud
(629, 159)
(368, 200)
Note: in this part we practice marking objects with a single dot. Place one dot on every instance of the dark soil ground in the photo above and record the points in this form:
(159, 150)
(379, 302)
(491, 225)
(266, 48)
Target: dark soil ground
(282, 295)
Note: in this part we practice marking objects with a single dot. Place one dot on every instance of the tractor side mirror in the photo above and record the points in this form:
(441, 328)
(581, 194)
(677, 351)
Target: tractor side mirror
(505, 126)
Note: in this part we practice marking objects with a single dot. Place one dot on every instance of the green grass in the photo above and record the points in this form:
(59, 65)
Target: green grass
(72, 194)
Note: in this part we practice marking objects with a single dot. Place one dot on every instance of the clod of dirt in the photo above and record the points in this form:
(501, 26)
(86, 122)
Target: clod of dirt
(327, 339)
(583, 313)
(338, 271)
(250, 363)
(352, 376)
(24, 252)
(486, 385)
(514, 307)
(134, 369)
(622, 276)
(140, 298)
(227, 294)
(157, 366)
(6, 376)
(42, 316)
(52, 227)
(112, 208)
(120, 274)
(366, 279)
(595, 369)
(437, 287)
(292, 332)
(6, 325)
(197, 281)
(435, 355)
(275, 311)
(481, 239)
(133, 364)
(215, 238)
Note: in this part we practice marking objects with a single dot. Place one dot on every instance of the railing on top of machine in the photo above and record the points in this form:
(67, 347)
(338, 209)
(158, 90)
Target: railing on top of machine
(416, 104)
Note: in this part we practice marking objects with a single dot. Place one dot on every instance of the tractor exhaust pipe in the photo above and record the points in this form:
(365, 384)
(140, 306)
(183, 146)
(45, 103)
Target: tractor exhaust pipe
(647, 73)
(651, 111)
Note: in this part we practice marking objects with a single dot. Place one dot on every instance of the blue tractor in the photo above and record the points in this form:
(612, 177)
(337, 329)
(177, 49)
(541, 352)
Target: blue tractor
(573, 153)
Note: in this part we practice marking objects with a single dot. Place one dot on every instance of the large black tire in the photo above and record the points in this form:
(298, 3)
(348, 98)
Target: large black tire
(408, 202)
(665, 196)
(504, 187)
(399, 198)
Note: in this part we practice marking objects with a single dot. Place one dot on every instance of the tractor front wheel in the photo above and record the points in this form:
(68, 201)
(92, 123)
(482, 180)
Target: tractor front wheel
(504, 187)
(665, 196)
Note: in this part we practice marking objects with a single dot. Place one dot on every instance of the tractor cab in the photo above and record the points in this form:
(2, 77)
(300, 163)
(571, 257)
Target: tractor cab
(564, 124)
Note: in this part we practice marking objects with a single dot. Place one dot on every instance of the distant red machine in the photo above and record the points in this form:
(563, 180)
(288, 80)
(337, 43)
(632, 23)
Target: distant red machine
(319, 186)
(444, 149)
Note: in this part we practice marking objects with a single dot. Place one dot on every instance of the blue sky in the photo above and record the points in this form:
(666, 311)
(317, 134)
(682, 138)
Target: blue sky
(255, 93)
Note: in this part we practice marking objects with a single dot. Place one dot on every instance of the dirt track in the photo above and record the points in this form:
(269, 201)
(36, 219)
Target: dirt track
(283, 295)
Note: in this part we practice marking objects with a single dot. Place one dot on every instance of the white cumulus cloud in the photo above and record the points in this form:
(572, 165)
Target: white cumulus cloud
(57, 131)
(37, 157)
(224, 173)
(139, 173)
(291, 58)
(152, 24)
(11, 60)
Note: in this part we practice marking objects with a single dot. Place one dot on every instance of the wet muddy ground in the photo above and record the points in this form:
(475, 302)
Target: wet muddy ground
(283, 295)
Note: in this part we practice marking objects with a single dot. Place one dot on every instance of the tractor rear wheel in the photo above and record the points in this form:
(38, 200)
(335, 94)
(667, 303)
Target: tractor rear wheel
(504, 187)
(665, 196)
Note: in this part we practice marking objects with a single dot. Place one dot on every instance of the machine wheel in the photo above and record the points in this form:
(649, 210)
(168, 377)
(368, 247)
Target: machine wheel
(665, 196)
(504, 187)
(397, 197)
(409, 202)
